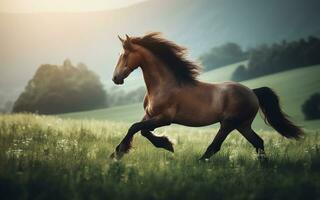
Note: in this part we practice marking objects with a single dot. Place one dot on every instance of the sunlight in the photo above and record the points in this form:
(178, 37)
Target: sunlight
(62, 5)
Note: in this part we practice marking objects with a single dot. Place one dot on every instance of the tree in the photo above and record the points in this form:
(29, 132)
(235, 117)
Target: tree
(239, 73)
(220, 56)
(311, 107)
(59, 89)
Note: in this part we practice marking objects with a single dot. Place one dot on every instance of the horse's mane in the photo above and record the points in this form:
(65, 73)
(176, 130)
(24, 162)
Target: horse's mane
(172, 55)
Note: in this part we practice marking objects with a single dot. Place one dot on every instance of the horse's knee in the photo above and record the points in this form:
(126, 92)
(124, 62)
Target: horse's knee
(134, 128)
(144, 133)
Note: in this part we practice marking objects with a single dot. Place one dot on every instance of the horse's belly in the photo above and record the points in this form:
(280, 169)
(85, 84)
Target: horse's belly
(195, 123)
(198, 107)
(197, 118)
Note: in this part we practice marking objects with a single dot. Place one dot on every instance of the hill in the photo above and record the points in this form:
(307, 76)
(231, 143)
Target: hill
(221, 74)
(293, 86)
(31, 39)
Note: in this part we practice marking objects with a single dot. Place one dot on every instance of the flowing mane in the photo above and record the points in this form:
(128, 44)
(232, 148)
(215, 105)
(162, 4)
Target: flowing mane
(172, 55)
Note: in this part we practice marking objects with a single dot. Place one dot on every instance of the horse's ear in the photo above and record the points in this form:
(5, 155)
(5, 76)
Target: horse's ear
(128, 44)
(122, 40)
(128, 38)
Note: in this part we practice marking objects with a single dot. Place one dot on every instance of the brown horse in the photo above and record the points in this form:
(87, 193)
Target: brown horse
(174, 95)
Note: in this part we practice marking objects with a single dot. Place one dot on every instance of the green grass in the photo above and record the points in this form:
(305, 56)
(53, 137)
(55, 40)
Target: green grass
(293, 87)
(49, 158)
(126, 113)
(67, 157)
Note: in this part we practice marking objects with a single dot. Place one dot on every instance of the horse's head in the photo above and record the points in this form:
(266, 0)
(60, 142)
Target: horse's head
(128, 61)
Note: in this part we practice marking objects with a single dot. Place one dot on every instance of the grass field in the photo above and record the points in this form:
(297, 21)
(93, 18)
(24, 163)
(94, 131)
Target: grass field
(49, 158)
(67, 156)
(293, 86)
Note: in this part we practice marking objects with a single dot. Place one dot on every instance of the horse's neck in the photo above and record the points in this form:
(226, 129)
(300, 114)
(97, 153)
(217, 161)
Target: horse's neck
(156, 75)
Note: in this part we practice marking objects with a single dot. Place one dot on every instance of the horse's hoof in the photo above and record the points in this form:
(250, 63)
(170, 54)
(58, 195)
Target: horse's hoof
(116, 155)
(113, 156)
(167, 144)
(204, 159)
(169, 148)
(263, 159)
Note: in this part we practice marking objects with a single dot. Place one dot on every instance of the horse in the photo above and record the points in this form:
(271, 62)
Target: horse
(174, 95)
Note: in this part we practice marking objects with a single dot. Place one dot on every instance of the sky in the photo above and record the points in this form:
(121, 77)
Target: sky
(62, 5)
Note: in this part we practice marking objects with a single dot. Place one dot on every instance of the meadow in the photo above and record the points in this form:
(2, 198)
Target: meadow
(43, 157)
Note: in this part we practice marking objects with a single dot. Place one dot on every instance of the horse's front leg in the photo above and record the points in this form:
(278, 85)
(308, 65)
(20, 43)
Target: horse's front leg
(149, 124)
(157, 141)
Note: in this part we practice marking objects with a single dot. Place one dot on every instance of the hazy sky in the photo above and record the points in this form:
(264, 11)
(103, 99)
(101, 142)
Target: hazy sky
(62, 5)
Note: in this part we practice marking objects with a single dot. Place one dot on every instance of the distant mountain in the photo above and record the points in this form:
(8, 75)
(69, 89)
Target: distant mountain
(30, 39)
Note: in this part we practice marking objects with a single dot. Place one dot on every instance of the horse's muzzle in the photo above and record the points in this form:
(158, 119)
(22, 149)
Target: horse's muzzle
(117, 80)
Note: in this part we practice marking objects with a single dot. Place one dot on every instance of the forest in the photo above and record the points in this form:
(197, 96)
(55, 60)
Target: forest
(269, 59)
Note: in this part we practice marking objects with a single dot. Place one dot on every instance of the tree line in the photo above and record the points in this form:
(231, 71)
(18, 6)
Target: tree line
(279, 57)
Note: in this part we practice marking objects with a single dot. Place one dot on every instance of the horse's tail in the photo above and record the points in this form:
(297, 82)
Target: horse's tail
(274, 116)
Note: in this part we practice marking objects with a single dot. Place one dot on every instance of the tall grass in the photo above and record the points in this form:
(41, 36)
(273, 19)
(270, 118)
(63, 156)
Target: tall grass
(49, 158)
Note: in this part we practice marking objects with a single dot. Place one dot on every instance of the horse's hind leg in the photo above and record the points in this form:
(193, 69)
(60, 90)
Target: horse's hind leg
(158, 141)
(215, 146)
(254, 139)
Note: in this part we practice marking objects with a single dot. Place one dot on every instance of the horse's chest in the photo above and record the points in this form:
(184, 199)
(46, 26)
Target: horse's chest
(154, 108)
